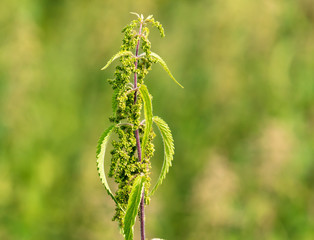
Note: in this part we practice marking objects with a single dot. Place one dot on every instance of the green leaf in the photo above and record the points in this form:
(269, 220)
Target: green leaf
(135, 14)
(168, 150)
(100, 155)
(119, 54)
(148, 113)
(164, 65)
(133, 206)
(149, 17)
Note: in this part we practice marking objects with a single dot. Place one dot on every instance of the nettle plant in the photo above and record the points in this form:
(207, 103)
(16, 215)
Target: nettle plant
(132, 151)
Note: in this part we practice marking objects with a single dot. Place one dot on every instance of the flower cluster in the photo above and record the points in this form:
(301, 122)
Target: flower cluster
(125, 164)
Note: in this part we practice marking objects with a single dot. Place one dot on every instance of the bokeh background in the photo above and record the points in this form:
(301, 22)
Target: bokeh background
(243, 125)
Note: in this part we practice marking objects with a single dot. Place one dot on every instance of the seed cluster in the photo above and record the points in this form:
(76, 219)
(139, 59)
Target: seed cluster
(125, 164)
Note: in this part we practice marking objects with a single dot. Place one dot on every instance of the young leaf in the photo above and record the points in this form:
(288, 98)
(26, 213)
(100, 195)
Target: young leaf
(149, 17)
(119, 54)
(100, 155)
(148, 113)
(133, 206)
(135, 14)
(168, 150)
(164, 65)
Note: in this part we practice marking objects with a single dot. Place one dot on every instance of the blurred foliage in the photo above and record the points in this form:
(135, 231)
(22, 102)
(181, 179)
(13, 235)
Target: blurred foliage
(243, 125)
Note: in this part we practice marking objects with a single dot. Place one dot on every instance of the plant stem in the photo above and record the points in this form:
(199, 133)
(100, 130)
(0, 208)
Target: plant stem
(142, 217)
(137, 137)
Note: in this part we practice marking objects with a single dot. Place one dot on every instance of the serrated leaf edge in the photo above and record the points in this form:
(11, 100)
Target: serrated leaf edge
(100, 162)
(168, 150)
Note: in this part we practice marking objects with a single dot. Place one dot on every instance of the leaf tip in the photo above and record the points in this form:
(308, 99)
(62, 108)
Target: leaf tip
(134, 13)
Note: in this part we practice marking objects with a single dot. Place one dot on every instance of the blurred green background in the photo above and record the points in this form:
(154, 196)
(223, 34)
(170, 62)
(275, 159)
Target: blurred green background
(243, 125)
